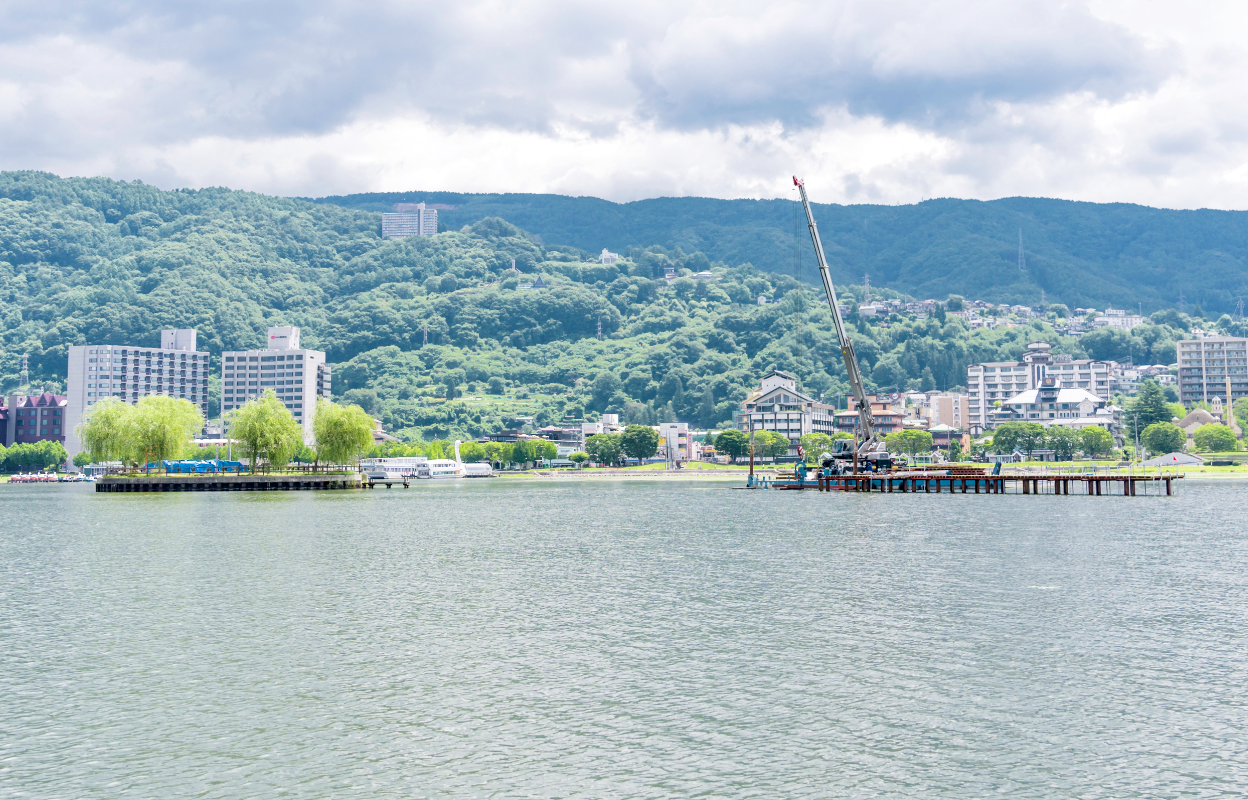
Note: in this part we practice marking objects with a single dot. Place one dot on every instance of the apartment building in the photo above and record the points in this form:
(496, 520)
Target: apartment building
(995, 382)
(298, 376)
(412, 219)
(676, 442)
(128, 373)
(1213, 367)
(953, 410)
(778, 406)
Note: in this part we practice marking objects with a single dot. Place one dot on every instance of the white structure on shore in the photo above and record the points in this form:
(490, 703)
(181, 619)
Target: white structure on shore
(298, 376)
(97, 371)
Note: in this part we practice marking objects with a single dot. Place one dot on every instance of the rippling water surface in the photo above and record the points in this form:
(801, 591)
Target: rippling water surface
(510, 639)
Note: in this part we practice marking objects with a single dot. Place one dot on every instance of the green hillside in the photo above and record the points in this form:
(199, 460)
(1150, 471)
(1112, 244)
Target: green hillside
(1079, 254)
(433, 334)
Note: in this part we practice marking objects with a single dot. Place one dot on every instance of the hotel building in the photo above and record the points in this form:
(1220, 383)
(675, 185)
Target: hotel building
(128, 373)
(998, 381)
(296, 375)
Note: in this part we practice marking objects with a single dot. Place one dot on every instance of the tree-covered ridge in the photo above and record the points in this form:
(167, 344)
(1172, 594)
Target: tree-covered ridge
(433, 334)
(1079, 254)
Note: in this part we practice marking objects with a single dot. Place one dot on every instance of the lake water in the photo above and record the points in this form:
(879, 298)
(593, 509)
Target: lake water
(524, 639)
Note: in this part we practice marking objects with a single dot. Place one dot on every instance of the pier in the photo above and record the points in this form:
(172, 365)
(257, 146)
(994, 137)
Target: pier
(976, 482)
(227, 483)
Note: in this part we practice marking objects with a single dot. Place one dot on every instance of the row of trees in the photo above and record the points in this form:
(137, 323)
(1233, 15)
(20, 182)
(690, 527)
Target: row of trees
(1027, 437)
(636, 441)
(32, 456)
(159, 427)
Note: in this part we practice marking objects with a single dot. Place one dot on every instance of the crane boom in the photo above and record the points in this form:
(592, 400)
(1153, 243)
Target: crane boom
(865, 418)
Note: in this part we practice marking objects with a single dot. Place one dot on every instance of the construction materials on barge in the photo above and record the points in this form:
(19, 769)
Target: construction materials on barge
(971, 480)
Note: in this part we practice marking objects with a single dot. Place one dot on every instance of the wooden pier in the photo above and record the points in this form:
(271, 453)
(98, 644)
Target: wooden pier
(976, 482)
(227, 483)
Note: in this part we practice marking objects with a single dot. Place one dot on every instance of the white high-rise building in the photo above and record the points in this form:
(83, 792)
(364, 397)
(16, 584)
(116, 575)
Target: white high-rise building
(128, 373)
(298, 376)
(412, 219)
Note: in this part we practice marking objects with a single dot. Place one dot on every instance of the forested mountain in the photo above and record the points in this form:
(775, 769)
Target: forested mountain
(410, 325)
(1079, 254)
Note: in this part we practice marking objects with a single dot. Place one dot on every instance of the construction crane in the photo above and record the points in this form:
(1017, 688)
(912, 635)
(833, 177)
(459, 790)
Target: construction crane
(871, 449)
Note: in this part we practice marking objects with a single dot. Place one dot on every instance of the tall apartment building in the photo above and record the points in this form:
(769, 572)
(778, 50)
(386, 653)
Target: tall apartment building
(128, 373)
(1207, 366)
(995, 381)
(953, 410)
(412, 219)
(296, 375)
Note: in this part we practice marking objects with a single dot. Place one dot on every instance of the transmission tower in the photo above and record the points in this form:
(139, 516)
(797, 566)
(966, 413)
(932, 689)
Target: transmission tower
(1239, 310)
(1022, 262)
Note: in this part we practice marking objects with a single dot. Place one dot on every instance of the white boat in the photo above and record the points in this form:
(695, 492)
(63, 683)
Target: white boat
(396, 468)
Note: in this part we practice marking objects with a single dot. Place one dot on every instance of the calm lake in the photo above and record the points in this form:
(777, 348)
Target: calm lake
(511, 638)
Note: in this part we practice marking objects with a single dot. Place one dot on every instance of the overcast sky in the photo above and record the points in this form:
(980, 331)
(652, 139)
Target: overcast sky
(887, 102)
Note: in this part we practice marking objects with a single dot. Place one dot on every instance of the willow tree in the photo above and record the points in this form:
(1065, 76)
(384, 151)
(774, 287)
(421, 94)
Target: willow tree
(342, 432)
(266, 430)
(105, 431)
(162, 427)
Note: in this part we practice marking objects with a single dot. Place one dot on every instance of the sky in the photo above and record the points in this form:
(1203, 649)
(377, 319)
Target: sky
(870, 102)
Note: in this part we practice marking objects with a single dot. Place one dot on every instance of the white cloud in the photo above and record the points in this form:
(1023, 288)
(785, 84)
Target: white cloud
(871, 102)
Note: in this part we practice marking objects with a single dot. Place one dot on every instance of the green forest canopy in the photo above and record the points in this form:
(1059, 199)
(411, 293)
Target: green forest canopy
(1079, 254)
(409, 325)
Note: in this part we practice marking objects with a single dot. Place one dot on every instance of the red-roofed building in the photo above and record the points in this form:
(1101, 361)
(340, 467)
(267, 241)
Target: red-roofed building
(32, 418)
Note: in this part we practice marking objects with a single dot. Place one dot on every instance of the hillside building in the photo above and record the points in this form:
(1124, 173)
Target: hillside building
(998, 381)
(1213, 367)
(413, 220)
(97, 371)
(296, 375)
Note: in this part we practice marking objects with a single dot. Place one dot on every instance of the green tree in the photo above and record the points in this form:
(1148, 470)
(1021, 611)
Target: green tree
(955, 448)
(163, 427)
(105, 431)
(1025, 436)
(1148, 407)
(1163, 437)
(1095, 441)
(770, 444)
(495, 385)
(82, 459)
(814, 445)
(1063, 442)
(604, 447)
(706, 409)
(733, 443)
(639, 442)
(266, 431)
(472, 452)
(342, 432)
(579, 458)
(1214, 438)
(909, 441)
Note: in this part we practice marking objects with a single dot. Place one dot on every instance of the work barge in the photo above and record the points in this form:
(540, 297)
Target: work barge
(971, 480)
